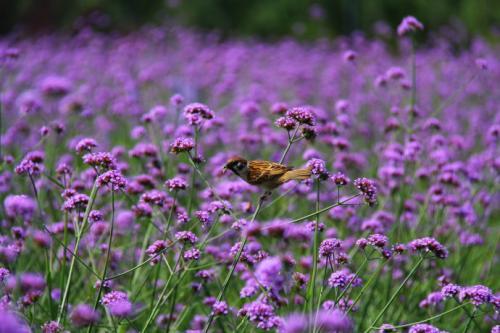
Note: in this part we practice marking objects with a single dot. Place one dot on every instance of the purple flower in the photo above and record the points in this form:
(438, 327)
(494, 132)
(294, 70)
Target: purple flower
(9, 322)
(338, 279)
(203, 216)
(192, 254)
(55, 86)
(20, 206)
(303, 115)
(101, 160)
(340, 179)
(387, 328)
(268, 273)
(328, 247)
(424, 328)
(32, 282)
(182, 145)
(334, 321)
(428, 244)
(261, 314)
(186, 236)
(378, 240)
(176, 184)
(477, 295)
(176, 99)
(156, 248)
(120, 309)
(52, 327)
(198, 109)
(85, 145)
(112, 178)
(295, 323)
(450, 290)
(4, 273)
(286, 123)
(368, 190)
(318, 168)
(118, 303)
(31, 164)
(77, 201)
(220, 308)
(408, 25)
(84, 315)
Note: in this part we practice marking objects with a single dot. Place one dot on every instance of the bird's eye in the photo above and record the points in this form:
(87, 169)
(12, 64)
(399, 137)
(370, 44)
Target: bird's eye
(240, 165)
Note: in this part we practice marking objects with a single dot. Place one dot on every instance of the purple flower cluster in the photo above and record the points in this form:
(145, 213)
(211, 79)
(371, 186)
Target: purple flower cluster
(428, 244)
(303, 115)
(408, 25)
(176, 184)
(368, 189)
(181, 145)
(113, 179)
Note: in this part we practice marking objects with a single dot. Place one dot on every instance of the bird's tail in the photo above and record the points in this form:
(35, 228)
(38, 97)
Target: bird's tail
(296, 174)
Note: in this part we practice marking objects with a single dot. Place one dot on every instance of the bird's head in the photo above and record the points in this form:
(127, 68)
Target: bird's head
(237, 164)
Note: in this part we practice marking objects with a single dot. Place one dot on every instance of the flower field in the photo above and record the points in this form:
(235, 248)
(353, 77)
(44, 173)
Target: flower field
(117, 215)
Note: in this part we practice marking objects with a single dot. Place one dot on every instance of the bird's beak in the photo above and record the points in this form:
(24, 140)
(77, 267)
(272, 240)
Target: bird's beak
(224, 169)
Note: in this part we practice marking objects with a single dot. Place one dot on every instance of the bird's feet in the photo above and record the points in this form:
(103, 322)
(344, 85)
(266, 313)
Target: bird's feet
(265, 196)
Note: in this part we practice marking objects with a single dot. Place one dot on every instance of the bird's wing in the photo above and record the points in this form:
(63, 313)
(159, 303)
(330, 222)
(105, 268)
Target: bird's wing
(264, 171)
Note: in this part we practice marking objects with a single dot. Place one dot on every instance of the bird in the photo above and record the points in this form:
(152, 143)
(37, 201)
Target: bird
(265, 174)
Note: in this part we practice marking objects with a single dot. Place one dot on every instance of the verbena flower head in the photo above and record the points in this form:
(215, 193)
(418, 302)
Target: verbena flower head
(477, 295)
(261, 315)
(117, 303)
(334, 321)
(428, 244)
(424, 328)
(378, 240)
(52, 327)
(186, 236)
(11, 323)
(20, 206)
(101, 160)
(295, 323)
(181, 145)
(328, 247)
(113, 179)
(155, 249)
(286, 123)
(77, 201)
(340, 179)
(318, 168)
(220, 308)
(368, 189)
(408, 25)
(195, 113)
(450, 290)
(176, 184)
(85, 145)
(84, 315)
(303, 115)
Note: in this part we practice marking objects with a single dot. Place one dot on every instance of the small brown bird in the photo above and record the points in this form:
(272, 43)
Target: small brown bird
(265, 174)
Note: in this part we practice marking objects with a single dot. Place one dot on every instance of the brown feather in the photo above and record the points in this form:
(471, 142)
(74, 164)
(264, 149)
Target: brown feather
(296, 174)
(260, 172)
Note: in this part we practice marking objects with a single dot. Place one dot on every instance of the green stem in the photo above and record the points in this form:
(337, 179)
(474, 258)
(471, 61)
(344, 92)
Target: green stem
(289, 145)
(233, 266)
(312, 283)
(393, 297)
(466, 329)
(88, 209)
(428, 319)
(108, 255)
(49, 281)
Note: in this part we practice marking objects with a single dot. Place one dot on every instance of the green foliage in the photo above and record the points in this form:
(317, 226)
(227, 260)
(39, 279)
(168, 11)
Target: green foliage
(269, 19)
